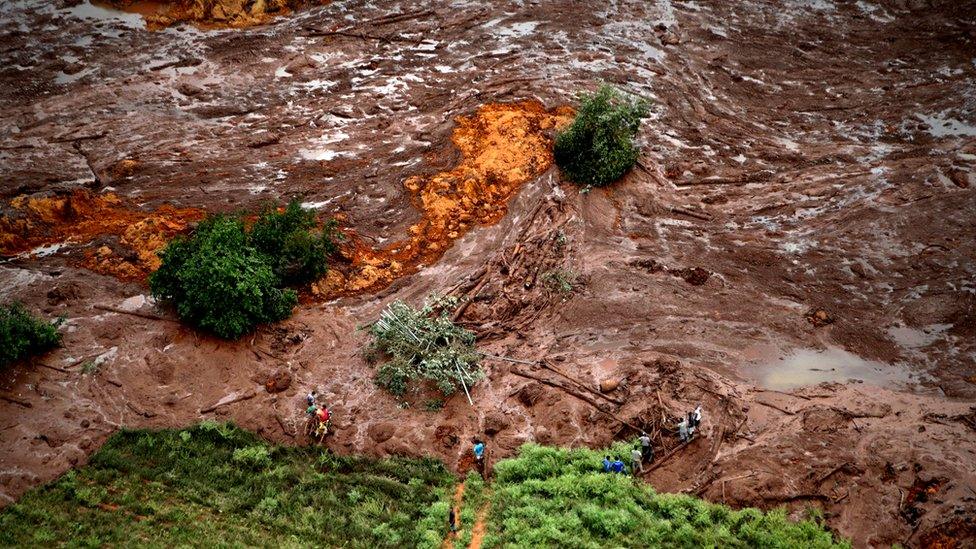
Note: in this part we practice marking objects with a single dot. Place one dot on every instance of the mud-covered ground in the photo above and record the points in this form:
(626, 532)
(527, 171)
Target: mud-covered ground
(795, 250)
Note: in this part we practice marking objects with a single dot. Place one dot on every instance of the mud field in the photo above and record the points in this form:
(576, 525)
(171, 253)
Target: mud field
(796, 250)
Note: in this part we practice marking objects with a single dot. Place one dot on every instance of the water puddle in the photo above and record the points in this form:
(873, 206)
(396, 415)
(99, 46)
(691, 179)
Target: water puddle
(87, 10)
(914, 338)
(804, 367)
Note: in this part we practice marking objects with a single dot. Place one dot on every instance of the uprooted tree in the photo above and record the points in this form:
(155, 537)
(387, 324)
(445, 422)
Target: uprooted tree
(23, 335)
(598, 147)
(227, 280)
(423, 345)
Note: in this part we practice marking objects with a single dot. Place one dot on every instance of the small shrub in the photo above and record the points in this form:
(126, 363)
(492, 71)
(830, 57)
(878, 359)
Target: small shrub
(598, 147)
(423, 344)
(252, 456)
(89, 368)
(23, 335)
(296, 250)
(560, 281)
(218, 282)
(434, 405)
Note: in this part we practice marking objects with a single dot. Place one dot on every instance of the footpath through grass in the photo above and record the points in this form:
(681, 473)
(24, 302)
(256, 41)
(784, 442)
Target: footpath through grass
(216, 485)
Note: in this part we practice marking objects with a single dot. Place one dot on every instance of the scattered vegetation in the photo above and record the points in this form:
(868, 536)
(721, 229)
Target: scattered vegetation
(90, 367)
(23, 335)
(423, 345)
(549, 497)
(434, 405)
(227, 280)
(560, 281)
(297, 250)
(598, 147)
(215, 485)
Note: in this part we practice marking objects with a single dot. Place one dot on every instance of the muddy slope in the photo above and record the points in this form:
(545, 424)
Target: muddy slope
(802, 214)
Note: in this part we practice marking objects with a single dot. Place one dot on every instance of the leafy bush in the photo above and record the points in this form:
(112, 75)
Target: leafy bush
(219, 282)
(598, 147)
(297, 252)
(423, 344)
(23, 335)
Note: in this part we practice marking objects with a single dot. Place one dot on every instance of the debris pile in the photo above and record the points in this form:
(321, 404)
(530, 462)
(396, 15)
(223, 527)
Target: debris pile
(210, 13)
(503, 146)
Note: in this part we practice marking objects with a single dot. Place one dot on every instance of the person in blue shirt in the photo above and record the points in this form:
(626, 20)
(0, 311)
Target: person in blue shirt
(618, 465)
(479, 456)
(606, 464)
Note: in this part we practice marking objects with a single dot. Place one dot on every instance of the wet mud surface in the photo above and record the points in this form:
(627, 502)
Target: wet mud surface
(794, 251)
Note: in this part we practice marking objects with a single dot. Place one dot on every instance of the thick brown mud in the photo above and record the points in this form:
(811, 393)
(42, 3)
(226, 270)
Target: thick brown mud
(793, 251)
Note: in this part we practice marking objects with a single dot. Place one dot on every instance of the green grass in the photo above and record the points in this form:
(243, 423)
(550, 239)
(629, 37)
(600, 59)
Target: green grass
(558, 497)
(215, 485)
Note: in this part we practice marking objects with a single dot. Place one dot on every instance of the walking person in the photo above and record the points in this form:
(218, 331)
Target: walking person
(647, 451)
(636, 461)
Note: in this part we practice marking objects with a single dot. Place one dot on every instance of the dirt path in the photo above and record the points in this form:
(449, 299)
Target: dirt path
(456, 503)
(478, 531)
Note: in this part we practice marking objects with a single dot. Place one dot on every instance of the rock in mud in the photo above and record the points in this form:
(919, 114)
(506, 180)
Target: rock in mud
(277, 381)
(696, 276)
(819, 317)
(609, 384)
(530, 393)
(381, 432)
(495, 422)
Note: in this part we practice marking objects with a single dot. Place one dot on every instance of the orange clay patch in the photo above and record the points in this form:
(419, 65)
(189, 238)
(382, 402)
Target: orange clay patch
(208, 14)
(502, 146)
(81, 217)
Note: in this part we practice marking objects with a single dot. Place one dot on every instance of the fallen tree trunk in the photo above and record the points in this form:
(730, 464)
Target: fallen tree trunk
(246, 396)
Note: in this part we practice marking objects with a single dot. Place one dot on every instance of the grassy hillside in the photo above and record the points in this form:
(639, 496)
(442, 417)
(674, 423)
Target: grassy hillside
(216, 485)
(558, 497)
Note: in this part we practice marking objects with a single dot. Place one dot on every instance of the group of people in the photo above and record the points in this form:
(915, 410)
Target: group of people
(317, 424)
(643, 451)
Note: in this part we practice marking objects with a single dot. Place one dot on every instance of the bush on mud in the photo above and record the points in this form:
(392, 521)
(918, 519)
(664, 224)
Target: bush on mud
(423, 345)
(598, 147)
(296, 250)
(219, 282)
(23, 335)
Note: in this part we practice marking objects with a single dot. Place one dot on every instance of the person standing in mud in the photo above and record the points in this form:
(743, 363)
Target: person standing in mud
(647, 451)
(683, 432)
(479, 456)
(636, 461)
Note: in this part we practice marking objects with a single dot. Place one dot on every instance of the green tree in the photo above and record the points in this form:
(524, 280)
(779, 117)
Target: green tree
(23, 335)
(598, 147)
(219, 282)
(297, 251)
